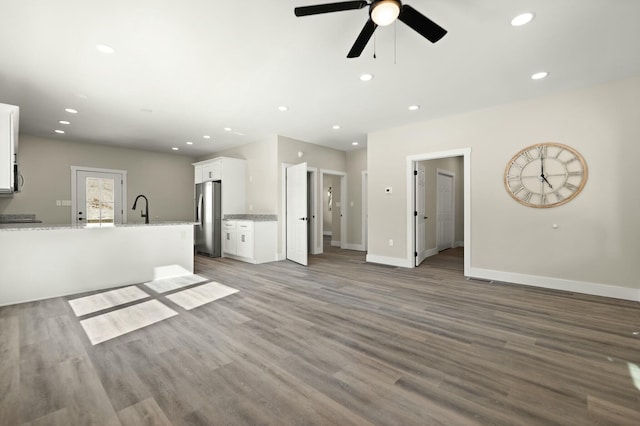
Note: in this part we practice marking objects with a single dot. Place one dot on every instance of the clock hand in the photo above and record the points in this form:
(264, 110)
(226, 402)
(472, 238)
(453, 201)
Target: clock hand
(545, 179)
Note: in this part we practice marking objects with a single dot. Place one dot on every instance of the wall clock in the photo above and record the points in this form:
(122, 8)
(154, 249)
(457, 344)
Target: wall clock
(545, 175)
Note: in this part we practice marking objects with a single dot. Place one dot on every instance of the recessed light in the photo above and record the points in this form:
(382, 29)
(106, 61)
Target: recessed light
(238, 133)
(414, 107)
(207, 137)
(366, 77)
(59, 131)
(336, 127)
(539, 75)
(522, 19)
(71, 110)
(81, 95)
(227, 129)
(354, 143)
(175, 148)
(282, 108)
(64, 122)
(107, 50)
(189, 143)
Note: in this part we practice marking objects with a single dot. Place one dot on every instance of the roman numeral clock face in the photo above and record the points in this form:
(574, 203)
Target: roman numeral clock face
(545, 175)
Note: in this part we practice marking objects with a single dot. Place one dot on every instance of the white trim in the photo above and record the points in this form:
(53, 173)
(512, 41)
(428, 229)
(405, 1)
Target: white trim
(76, 169)
(283, 206)
(596, 289)
(431, 252)
(327, 233)
(458, 244)
(356, 247)
(391, 261)
(336, 243)
(316, 239)
(466, 154)
(364, 209)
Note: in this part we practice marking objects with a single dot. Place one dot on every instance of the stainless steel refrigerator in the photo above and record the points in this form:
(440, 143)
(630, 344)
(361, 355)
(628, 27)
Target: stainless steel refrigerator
(208, 218)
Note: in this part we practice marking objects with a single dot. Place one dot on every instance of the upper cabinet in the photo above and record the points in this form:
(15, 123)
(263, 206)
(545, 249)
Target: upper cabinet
(232, 173)
(9, 119)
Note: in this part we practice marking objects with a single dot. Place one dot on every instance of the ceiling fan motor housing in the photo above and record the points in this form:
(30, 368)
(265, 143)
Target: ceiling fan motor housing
(384, 12)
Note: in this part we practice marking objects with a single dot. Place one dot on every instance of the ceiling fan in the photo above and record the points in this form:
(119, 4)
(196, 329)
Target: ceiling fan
(381, 13)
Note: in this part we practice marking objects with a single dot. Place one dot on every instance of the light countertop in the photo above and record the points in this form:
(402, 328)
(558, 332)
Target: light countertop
(49, 227)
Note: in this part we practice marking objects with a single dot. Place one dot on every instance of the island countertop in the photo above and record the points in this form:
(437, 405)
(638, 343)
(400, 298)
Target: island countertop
(49, 227)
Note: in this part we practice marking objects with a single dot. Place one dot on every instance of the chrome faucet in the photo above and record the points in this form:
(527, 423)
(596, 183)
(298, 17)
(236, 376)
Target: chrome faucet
(146, 208)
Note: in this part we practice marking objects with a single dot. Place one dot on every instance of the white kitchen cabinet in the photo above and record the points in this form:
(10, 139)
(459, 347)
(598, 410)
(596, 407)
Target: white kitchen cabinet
(212, 171)
(229, 237)
(245, 239)
(255, 241)
(232, 173)
(9, 119)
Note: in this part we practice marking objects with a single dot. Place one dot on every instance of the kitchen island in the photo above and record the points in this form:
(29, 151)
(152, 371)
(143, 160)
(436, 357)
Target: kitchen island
(42, 261)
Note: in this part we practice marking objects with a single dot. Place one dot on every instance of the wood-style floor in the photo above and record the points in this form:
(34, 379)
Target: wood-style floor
(339, 342)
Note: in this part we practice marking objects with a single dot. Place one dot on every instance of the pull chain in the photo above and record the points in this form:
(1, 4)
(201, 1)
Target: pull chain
(374, 45)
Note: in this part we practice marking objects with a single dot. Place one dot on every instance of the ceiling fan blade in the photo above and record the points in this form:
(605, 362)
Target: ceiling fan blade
(329, 7)
(363, 39)
(420, 23)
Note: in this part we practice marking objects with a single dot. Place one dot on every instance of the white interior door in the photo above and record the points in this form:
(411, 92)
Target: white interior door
(296, 214)
(420, 214)
(445, 207)
(98, 198)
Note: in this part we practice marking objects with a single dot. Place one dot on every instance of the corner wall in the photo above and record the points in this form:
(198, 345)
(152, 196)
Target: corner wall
(596, 245)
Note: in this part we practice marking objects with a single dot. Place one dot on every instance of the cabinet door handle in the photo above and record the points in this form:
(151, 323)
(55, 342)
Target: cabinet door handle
(243, 238)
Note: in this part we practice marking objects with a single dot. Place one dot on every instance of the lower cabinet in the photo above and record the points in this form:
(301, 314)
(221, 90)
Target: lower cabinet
(250, 241)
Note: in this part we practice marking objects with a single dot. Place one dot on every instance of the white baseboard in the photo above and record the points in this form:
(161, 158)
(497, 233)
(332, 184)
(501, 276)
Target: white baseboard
(335, 243)
(326, 233)
(357, 247)
(458, 244)
(596, 289)
(391, 261)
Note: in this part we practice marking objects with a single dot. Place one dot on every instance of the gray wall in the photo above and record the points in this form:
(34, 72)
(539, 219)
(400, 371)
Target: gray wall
(262, 174)
(166, 179)
(597, 236)
(356, 164)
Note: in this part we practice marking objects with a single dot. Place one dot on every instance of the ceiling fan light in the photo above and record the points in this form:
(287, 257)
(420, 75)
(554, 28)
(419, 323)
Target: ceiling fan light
(385, 12)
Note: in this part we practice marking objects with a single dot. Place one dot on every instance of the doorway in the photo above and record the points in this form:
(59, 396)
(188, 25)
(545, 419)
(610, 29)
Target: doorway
(445, 206)
(453, 208)
(98, 196)
(337, 204)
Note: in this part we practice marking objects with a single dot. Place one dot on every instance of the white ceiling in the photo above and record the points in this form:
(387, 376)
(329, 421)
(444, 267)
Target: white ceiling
(203, 65)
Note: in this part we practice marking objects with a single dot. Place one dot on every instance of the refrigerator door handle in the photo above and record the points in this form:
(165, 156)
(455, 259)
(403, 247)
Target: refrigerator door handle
(199, 211)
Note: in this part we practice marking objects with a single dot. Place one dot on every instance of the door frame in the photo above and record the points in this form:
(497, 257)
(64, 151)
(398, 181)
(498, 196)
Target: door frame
(452, 175)
(420, 256)
(343, 206)
(74, 188)
(365, 210)
(465, 153)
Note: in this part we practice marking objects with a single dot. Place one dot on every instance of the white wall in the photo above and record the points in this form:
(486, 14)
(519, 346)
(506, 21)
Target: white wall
(598, 238)
(166, 179)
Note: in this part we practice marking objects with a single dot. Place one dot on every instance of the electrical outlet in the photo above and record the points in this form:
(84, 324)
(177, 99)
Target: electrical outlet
(390, 242)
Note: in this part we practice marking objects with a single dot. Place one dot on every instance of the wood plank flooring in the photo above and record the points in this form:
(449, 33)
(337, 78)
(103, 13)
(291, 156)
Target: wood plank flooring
(339, 342)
